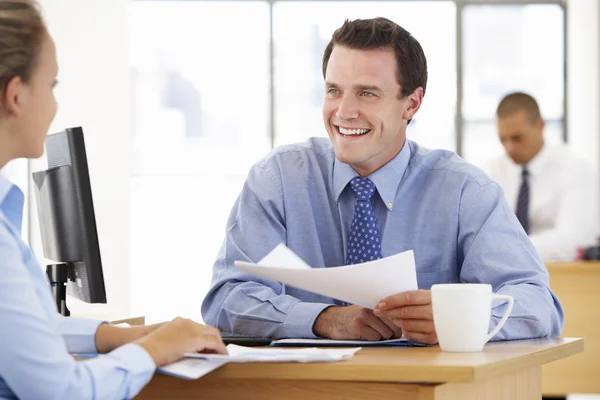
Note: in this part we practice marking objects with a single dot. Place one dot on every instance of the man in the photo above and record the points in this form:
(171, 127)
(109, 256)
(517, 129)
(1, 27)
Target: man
(552, 191)
(369, 193)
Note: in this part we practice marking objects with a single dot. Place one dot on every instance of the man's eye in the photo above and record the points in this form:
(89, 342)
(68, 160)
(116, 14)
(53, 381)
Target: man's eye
(332, 91)
(367, 94)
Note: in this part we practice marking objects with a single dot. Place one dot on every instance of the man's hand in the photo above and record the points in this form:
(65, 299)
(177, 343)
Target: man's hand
(354, 322)
(109, 337)
(412, 312)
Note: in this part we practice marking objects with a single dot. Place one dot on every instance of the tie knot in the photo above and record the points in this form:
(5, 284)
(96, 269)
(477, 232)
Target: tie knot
(363, 188)
(524, 173)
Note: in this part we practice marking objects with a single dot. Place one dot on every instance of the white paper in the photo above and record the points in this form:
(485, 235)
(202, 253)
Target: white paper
(364, 284)
(255, 354)
(191, 368)
(325, 342)
(283, 253)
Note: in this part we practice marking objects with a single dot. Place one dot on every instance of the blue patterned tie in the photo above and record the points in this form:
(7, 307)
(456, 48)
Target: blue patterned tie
(523, 201)
(364, 242)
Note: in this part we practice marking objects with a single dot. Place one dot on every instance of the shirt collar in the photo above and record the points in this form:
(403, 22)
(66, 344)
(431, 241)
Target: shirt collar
(11, 202)
(386, 179)
(538, 163)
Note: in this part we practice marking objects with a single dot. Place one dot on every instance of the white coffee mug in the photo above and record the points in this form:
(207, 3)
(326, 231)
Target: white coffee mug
(461, 315)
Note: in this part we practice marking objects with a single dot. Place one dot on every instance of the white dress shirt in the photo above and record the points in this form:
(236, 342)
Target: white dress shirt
(563, 200)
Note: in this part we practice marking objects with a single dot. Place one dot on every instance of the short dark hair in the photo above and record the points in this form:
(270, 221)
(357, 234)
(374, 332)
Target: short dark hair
(383, 34)
(518, 101)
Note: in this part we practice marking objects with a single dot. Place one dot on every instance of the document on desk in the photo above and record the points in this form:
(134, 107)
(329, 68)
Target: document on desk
(243, 354)
(196, 365)
(364, 284)
(191, 368)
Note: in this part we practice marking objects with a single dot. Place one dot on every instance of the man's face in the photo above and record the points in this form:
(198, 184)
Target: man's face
(363, 115)
(521, 138)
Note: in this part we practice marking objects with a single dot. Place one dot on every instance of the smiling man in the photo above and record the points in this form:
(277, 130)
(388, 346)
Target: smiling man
(365, 193)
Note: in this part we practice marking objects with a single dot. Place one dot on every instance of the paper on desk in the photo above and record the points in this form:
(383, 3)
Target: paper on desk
(196, 365)
(191, 368)
(364, 284)
(254, 354)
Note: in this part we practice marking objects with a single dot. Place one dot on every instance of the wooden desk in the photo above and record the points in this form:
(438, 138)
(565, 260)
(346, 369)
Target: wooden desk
(577, 285)
(133, 321)
(113, 318)
(506, 370)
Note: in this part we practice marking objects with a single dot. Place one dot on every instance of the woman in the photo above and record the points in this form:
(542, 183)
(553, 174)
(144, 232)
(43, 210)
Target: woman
(35, 341)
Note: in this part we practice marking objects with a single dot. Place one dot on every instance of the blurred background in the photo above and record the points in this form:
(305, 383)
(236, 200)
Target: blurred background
(179, 98)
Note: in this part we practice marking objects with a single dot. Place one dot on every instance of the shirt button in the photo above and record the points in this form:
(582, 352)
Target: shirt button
(389, 205)
(335, 198)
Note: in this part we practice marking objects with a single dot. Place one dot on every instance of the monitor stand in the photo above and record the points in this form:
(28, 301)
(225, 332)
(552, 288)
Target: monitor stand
(59, 274)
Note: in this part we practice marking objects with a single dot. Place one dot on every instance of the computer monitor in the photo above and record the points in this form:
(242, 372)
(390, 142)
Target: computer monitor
(67, 222)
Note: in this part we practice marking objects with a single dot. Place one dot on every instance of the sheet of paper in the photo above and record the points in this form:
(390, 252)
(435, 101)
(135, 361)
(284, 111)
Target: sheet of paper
(364, 284)
(283, 253)
(257, 354)
(191, 368)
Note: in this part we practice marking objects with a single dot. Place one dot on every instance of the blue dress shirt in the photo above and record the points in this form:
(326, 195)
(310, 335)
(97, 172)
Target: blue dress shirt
(35, 340)
(431, 201)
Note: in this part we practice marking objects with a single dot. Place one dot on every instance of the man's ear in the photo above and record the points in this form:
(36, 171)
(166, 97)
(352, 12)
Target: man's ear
(14, 96)
(540, 124)
(413, 103)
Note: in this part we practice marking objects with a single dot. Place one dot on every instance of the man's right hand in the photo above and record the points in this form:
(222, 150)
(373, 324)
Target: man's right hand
(170, 341)
(354, 322)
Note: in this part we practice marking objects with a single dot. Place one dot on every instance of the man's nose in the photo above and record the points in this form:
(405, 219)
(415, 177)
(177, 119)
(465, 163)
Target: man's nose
(347, 108)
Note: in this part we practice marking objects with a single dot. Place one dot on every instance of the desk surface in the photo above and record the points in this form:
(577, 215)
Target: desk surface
(576, 285)
(417, 364)
(584, 266)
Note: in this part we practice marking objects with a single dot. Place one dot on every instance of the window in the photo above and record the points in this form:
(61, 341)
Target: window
(201, 101)
(506, 49)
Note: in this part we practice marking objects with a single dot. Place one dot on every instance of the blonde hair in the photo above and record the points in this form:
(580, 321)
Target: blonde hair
(21, 32)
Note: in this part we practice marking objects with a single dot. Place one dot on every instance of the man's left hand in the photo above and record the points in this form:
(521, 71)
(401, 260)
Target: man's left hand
(412, 312)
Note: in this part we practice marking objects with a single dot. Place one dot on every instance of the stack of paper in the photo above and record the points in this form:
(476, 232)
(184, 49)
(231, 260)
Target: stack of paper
(198, 365)
(257, 354)
(364, 284)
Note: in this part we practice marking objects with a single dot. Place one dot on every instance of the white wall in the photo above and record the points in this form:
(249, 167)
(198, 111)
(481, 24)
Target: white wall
(94, 92)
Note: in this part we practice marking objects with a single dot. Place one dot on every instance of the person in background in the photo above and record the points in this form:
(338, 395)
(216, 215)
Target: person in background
(552, 192)
(35, 341)
(367, 192)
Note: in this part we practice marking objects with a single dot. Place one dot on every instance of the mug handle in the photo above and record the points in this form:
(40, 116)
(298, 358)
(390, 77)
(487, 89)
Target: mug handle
(511, 302)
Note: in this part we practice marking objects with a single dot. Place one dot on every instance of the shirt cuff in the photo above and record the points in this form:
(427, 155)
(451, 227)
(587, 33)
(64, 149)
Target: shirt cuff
(80, 334)
(137, 359)
(301, 318)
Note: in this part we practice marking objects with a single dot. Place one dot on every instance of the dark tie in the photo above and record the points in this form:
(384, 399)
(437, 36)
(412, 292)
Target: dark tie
(523, 201)
(364, 242)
